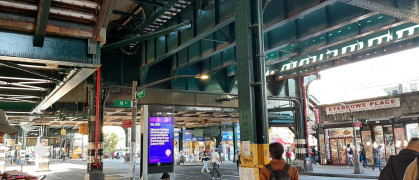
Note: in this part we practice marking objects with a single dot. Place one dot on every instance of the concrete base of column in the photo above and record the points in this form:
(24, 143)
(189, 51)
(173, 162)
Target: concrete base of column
(95, 176)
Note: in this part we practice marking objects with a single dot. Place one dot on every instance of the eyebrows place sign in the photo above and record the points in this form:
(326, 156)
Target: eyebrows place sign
(363, 106)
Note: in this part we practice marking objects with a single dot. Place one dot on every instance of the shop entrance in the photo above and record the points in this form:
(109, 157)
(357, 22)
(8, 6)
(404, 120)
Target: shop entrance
(338, 149)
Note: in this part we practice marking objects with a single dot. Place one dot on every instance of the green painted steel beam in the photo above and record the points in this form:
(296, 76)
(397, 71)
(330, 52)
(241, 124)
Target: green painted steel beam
(194, 40)
(405, 14)
(299, 15)
(160, 11)
(324, 31)
(148, 2)
(41, 22)
(15, 46)
(148, 36)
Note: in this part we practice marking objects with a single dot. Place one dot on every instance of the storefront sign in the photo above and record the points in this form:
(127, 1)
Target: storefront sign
(364, 106)
(357, 124)
(160, 140)
(340, 132)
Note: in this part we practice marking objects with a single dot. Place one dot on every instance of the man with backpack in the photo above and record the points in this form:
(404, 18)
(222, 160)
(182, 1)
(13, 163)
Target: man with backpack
(350, 153)
(403, 166)
(278, 169)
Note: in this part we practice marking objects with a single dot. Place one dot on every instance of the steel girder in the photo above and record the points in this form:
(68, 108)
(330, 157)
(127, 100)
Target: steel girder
(56, 51)
(41, 22)
(407, 12)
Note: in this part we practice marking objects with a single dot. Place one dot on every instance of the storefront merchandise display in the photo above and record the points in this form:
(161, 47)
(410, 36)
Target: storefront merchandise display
(368, 145)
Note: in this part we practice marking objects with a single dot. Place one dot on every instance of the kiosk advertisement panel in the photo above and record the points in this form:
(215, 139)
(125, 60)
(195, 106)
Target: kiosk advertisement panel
(160, 141)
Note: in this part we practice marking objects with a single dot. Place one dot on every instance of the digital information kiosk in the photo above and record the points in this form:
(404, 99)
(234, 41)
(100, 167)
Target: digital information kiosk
(158, 147)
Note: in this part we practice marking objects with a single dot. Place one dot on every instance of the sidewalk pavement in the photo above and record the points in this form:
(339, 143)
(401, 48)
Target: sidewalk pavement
(342, 171)
(225, 164)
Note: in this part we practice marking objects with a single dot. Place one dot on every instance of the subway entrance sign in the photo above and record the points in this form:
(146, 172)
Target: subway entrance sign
(140, 94)
(123, 103)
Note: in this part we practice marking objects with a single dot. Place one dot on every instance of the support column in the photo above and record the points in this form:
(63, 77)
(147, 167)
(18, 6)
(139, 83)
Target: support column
(126, 138)
(181, 139)
(301, 133)
(251, 84)
(235, 139)
(95, 147)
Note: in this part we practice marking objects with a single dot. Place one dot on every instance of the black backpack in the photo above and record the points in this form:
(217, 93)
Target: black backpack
(279, 174)
(350, 151)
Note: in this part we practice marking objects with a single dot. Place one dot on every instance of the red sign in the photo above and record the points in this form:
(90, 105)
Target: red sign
(357, 124)
(126, 123)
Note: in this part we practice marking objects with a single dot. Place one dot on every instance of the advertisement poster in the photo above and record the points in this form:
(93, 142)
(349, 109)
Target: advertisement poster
(337, 133)
(400, 139)
(160, 140)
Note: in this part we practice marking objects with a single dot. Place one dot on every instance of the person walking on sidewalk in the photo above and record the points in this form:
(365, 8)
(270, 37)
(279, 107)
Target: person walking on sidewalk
(403, 166)
(350, 152)
(277, 167)
(363, 156)
(205, 159)
(238, 161)
(288, 155)
(215, 161)
(377, 158)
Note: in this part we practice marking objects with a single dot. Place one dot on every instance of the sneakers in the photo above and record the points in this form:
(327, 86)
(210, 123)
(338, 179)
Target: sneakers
(202, 172)
(208, 171)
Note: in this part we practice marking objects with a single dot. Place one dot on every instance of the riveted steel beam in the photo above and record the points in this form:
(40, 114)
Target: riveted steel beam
(299, 15)
(41, 22)
(73, 79)
(148, 36)
(354, 20)
(148, 2)
(392, 11)
(101, 18)
(157, 14)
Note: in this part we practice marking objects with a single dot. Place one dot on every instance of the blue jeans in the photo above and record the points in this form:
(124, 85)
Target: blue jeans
(350, 161)
(377, 162)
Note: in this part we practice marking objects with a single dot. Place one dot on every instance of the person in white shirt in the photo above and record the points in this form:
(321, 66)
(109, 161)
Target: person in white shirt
(350, 153)
(215, 161)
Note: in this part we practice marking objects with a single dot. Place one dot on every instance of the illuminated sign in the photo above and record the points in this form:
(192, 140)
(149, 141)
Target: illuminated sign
(349, 48)
(160, 140)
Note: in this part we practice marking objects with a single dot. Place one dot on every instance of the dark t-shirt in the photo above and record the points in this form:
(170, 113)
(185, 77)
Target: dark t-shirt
(397, 165)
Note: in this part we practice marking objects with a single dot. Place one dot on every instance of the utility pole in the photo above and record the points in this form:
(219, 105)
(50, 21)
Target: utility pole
(133, 131)
(358, 169)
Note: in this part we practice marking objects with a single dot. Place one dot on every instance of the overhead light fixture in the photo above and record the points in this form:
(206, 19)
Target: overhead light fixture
(203, 77)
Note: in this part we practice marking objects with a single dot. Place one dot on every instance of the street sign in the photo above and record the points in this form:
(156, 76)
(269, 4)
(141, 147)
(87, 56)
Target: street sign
(126, 123)
(357, 124)
(140, 94)
(123, 103)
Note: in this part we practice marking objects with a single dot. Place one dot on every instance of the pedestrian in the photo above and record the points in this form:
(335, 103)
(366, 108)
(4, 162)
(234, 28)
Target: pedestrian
(377, 158)
(403, 166)
(117, 155)
(238, 161)
(350, 152)
(277, 167)
(288, 155)
(63, 156)
(205, 159)
(165, 176)
(313, 154)
(215, 161)
(363, 156)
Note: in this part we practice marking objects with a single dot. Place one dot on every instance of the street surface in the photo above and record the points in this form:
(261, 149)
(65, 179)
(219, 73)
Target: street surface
(118, 169)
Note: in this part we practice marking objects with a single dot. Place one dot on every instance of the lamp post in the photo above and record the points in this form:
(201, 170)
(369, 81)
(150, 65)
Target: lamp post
(358, 169)
(199, 76)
